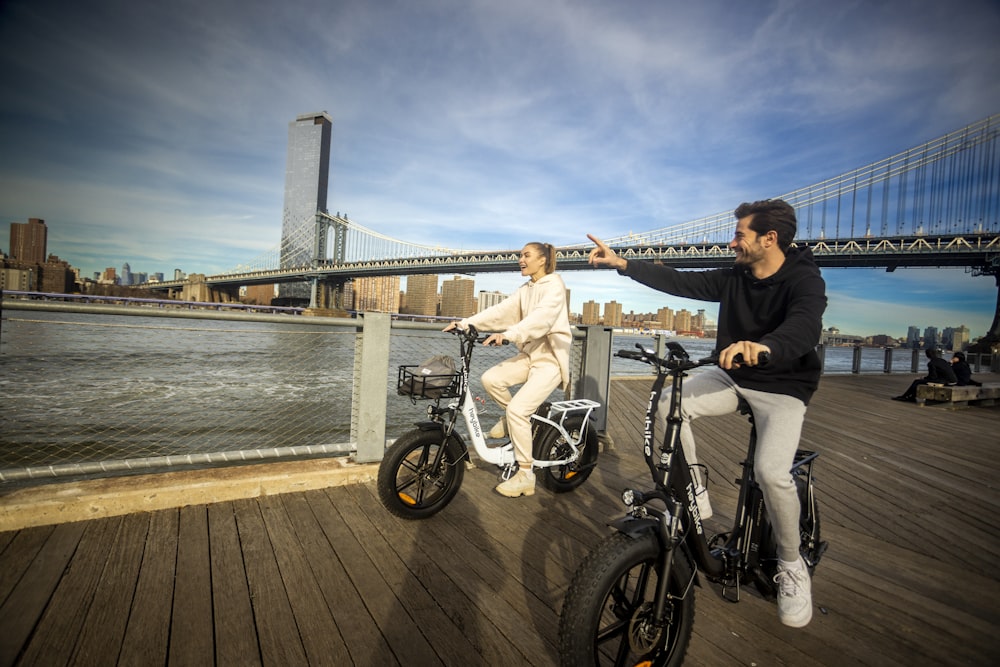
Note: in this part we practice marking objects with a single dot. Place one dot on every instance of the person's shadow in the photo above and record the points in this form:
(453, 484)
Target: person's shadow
(563, 529)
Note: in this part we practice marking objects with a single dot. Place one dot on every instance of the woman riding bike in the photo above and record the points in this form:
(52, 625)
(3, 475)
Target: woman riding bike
(536, 319)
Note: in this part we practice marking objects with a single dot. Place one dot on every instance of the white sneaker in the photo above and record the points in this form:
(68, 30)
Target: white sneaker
(499, 430)
(794, 594)
(704, 504)
(521, 484)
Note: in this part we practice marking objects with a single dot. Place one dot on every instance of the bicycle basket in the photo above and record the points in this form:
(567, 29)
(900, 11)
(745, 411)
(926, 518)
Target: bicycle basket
(434, 378)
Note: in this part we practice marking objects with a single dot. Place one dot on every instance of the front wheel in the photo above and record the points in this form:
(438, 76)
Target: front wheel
(607, 616)
(550, 445)
(419, 474)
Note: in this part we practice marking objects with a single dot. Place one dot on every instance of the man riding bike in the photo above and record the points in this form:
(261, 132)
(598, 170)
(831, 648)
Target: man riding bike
(771, 300)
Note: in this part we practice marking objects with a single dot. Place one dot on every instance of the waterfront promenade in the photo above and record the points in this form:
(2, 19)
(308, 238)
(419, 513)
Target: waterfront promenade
(909, 504)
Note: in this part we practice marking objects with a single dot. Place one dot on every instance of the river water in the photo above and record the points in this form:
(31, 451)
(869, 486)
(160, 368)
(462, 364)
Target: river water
(80, 386)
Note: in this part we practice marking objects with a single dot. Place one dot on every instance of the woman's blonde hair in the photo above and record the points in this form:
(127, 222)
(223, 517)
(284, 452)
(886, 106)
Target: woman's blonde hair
(549, 251)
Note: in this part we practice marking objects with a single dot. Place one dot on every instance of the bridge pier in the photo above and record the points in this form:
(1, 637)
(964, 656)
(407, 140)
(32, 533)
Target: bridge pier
(990, 342)
(196, 288)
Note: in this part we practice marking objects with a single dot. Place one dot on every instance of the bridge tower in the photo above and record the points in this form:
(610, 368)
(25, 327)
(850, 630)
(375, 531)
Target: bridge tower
(328, 295)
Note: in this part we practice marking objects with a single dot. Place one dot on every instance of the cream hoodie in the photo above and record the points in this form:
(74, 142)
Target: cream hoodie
(535, 318)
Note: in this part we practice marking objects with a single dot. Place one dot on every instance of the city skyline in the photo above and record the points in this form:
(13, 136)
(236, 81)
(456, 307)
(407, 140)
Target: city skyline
(479, 124)
(935, 316)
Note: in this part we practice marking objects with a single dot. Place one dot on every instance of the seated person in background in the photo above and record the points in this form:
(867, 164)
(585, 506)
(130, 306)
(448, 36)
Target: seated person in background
(938, 371)
(962, 371)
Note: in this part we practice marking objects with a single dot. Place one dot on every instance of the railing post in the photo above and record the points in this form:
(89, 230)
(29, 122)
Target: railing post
(915, 361)
(856, 360)
(368, 404)
(821, 353)
(975, 361)
(887, 364)
(595, 380)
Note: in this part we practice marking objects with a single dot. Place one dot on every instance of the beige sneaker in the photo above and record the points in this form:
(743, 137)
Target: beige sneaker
(499, 429)
(794, 595)
(521, 484)
(704, 504)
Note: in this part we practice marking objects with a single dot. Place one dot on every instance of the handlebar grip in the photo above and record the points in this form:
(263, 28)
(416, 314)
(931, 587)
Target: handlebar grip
(763, 358)
(630, 354)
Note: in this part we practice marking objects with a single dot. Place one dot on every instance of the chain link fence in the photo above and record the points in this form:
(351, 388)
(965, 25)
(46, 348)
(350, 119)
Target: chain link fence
(94, 393)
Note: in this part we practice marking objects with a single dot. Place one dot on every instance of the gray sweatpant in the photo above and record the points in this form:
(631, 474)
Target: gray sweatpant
(711, 392)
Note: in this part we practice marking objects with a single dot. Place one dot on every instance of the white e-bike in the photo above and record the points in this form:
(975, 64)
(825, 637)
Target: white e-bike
(423, 469)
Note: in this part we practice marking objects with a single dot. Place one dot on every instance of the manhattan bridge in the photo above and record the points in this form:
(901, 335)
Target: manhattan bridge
(934, 205)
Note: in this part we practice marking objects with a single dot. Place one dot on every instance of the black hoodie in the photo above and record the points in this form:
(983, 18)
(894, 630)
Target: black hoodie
(783, 311)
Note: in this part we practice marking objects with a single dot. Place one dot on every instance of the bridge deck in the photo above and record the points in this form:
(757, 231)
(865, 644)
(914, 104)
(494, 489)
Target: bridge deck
(909, 505)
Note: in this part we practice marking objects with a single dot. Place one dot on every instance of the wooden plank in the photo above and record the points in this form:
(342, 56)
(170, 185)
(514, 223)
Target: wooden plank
(321, 639)
(391, 619)
(58, 631)
(191, 638)
(25, 547)
(232, 610)
(350, 615)
(49, 549)
(104, 627)
(475, 609)
(277, 632)
(147, 634)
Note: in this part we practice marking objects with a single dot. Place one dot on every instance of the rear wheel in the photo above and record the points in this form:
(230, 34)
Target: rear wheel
(550, 445)
(413, 482)
(607, 616)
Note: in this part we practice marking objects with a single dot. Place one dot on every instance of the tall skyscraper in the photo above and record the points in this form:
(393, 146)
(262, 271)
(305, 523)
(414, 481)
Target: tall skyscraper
(665, 316)
(488, 299)
(307, 174)
(930, 338)
(591, 313)
(960, 338)
(457, 299)
(612, 314)
(422, 294)
(28, 241)
(376, 293)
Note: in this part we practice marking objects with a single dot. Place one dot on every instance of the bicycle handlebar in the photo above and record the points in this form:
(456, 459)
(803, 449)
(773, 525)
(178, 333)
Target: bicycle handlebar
(678, 358)
(471, 334)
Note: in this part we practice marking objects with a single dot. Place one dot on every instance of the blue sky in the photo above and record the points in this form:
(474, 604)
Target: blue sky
(155, 133)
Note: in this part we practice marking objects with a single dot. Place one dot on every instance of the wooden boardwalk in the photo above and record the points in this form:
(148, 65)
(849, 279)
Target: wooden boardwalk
(909, 504)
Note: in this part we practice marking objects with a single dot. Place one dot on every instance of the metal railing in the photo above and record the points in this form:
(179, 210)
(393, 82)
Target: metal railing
(96, 390)
(90, 390)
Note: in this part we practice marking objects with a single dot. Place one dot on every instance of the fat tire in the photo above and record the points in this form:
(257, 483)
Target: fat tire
(406, 471)
(550, 445)
(600, 594)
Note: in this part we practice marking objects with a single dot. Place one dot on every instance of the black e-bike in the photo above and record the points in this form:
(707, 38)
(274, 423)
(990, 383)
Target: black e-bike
(631, 601)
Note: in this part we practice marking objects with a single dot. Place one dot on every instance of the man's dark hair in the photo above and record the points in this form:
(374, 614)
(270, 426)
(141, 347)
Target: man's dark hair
(776, 214)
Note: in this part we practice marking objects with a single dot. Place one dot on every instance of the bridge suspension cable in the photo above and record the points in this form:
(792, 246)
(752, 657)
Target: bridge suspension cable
(963, 183)
(947, 185)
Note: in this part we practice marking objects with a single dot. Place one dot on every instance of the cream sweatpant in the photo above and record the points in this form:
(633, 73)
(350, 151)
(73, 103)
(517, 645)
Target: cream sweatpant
(538, 378)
